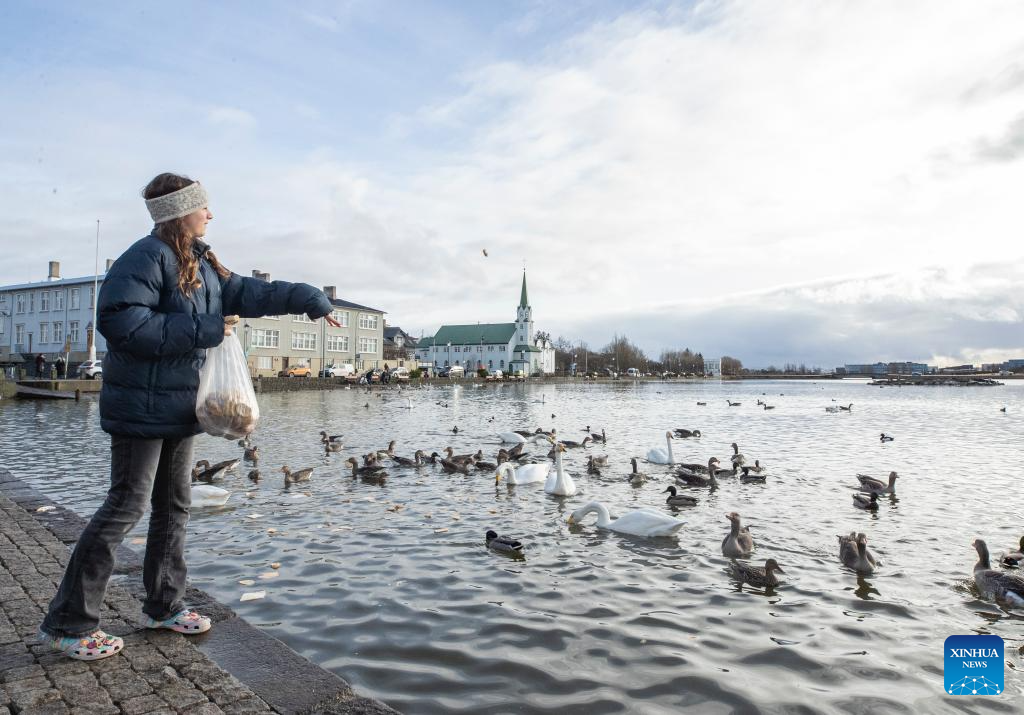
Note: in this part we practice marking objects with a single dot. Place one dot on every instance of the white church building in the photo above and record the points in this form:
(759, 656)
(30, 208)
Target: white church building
(510, 347)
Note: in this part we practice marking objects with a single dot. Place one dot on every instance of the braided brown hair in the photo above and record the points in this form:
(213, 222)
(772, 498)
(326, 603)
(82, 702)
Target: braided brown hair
(174, 234)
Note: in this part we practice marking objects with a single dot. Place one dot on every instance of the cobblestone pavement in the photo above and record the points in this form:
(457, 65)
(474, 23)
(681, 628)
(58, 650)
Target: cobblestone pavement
(157, 672)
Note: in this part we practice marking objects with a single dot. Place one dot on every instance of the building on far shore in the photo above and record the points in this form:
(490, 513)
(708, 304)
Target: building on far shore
(713, 367)
(881, 369)
(399, 347)
(510, 347)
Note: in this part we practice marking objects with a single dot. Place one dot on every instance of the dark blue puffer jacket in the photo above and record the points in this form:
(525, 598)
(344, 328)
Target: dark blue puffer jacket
(157, 337)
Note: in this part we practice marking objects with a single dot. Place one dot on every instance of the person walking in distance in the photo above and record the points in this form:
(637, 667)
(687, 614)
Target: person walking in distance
(162, 304)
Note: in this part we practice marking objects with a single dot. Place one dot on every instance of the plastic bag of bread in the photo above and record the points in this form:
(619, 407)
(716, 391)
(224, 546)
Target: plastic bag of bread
(226, 403)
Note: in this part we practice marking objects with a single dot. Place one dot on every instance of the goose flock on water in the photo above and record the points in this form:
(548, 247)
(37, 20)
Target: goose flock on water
(517, 468)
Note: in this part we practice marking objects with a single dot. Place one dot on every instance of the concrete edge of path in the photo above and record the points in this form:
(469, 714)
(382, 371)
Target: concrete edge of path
(285, 680)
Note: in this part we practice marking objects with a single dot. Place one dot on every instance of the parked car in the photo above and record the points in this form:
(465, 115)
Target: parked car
(632, 372)
(496, 375)
(343, 370)
(400, 373)
(90, 370)
(296, 371)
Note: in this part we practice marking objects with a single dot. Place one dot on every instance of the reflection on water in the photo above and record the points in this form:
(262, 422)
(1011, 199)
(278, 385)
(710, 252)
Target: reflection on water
(394, 588)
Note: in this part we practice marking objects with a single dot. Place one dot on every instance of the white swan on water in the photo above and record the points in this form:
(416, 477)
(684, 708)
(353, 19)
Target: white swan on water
(558, 482)
(657, 455)
(642, 522)
(207, 495)
(511, 437)
(526, 474)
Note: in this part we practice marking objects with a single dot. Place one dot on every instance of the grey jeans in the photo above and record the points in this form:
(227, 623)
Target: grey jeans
(142, 471)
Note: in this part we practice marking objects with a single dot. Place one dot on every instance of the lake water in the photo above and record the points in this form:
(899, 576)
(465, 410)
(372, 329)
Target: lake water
(409, 606)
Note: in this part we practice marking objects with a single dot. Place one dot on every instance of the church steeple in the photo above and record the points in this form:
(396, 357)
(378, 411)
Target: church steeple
(523, 302)
(524, 317)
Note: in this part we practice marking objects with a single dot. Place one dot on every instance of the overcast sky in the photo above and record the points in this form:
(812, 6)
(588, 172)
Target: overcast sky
(778, 181)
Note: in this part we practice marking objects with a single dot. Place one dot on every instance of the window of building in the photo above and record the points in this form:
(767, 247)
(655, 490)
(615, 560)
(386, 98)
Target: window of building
(264, 362)
(31, 302)
(367, 321)
(92, 295)
(301, 319)
(262, 338)
(341, 316)
(446, 363)
(367, 345)
(19, 303)
(76, 297)
(457, 349)
(44, 333)
(490, 363)
(58, 300)
(44, 301)
(73, 332)
(19, 334)
(58, 332)
(501, 363)
(3, 324)
(337, 343)
(303, 341)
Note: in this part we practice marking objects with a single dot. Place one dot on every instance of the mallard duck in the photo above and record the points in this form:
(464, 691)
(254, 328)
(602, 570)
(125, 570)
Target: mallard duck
(368, 470)
(332, 447)
(559, 482)
(635, 477)
(738, 543)
(736, 469)
(254, 475)
(685, 433)
(757, 576)
(301, 475)
(700, 480)
(519, 476)
(206, 495)
(593, 467)
(869, 502)
(642, 522)
(657, 455)
(885, 438)
(674, 499)
(505, 544)
(870, 484)
(485, 466)
(753, 474)
(451, 467)
(737, 459)
(252, 454)
(211, 473)
(324, 437)
(853, 552)
(999, 585)
(1014, 558)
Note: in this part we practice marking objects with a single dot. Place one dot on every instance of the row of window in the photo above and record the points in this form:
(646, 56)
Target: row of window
(367, 321)
(468, 348)
(262, 338)
(470, 364)
(45, 336)
(49, 300)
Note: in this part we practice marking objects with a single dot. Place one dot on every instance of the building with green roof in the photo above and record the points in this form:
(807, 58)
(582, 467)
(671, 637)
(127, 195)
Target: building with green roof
(509, 347)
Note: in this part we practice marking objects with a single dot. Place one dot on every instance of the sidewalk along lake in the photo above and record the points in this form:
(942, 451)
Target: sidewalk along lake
(392, 586)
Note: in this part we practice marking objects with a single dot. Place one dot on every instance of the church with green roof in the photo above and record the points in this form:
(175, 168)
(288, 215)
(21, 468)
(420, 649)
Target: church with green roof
(510, 347)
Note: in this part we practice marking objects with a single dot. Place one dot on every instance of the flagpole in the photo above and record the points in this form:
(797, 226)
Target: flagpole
(95, 295)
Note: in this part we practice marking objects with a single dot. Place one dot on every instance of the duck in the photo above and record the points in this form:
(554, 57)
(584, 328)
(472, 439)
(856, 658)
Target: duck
(254, 475)
(368, 470)
(332, 447)
(1014, 558)
(738, 544)
(462, 458)
(252, 454)
(886, 438)
(452, 467)
(216, 471)
(406, 462)
(504, 544)
(832, 409)
(324, 437)
(387, 453)
(728, 472)
(571, 444)
(657, 455)
(207, 495)
(769, 407)
(685, 433)
(642, 522)
(757, 576)
(847, 408)
(753, 474)
(517, 451)
(481, 464)
(674, 499)
(301, 475)
(511, 437)
(694, 479)
(520, 476)
(246, 441)
(636, 478)
(737, 459)
(692, 467)
(1000, 585)
(602, 438)
(593, 467)
(853, 552)
(702, 404)
(870, 484)
(733, 404)
(558, 482)
(869, 503)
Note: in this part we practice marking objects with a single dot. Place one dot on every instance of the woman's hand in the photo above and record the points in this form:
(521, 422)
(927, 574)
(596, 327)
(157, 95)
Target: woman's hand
(230, 321)
(332, 322)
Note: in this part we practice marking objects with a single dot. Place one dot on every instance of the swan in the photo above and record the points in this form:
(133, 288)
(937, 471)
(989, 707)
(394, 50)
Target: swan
(657, 455)
(642, 522)
(526, 474)
(1000, 585)
(738, 543)
(207, 495)
(511, 437)
(853, 552)
(870, 484)
(558, 482)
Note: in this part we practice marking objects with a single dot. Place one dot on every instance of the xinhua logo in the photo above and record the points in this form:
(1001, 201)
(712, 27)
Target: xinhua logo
(974, 665)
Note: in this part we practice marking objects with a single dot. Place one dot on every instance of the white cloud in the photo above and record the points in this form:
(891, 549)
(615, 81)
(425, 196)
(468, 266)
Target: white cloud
(230, 117)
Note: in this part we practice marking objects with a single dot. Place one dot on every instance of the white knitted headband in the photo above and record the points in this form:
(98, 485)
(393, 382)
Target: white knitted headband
(178, 203)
